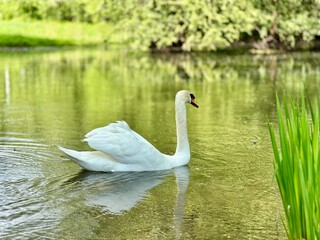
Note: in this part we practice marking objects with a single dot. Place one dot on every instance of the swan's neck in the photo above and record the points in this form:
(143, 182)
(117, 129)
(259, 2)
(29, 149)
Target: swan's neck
(183, 149)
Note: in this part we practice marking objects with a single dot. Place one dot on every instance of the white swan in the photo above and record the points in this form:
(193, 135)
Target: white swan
(121, 149)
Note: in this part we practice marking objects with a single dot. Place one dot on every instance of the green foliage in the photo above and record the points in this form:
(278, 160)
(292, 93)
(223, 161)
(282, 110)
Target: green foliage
(208, 25)
(189, 24)
(186, 24)
(89, 11)
(288, 21)
(8, 9)
(297, 167)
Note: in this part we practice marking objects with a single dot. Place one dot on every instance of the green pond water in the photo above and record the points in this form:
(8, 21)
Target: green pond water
(53, 98)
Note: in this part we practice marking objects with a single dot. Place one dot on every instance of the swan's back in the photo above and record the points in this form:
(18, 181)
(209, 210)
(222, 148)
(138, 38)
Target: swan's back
(123, 144)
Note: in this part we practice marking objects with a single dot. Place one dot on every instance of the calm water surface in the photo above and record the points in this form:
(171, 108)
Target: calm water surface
(228, 192)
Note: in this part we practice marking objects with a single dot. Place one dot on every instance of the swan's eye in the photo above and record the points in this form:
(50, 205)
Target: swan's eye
(192, 96)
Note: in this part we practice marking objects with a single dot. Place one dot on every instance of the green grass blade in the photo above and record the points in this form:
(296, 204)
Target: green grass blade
(296, 166)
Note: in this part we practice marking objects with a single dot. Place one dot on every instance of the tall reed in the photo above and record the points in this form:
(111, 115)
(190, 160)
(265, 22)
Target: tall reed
(297, 166)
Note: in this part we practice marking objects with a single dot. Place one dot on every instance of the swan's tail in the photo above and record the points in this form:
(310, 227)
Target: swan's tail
(71, 153)
(93, 161)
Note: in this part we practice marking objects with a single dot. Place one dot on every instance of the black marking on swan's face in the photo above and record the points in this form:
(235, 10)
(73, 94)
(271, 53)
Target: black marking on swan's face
(192, 102)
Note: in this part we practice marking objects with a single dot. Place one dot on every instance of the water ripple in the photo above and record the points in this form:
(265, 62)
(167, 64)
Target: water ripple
(25, 203)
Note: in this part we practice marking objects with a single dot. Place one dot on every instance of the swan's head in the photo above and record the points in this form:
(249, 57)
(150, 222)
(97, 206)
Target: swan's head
(187, 97)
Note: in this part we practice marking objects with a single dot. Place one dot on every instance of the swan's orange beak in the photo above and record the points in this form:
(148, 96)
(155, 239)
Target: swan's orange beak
(193, 103)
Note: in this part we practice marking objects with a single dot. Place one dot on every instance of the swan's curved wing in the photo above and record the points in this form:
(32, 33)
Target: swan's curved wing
(122, 143)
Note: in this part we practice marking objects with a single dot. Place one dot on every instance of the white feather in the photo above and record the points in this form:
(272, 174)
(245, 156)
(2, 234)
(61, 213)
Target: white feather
(122, 144)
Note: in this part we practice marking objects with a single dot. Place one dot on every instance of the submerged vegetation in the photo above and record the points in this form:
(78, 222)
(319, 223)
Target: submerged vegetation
(186, 25)
(297, 167)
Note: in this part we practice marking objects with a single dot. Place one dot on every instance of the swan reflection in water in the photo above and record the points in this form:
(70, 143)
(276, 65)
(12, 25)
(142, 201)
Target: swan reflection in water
(119, 192)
